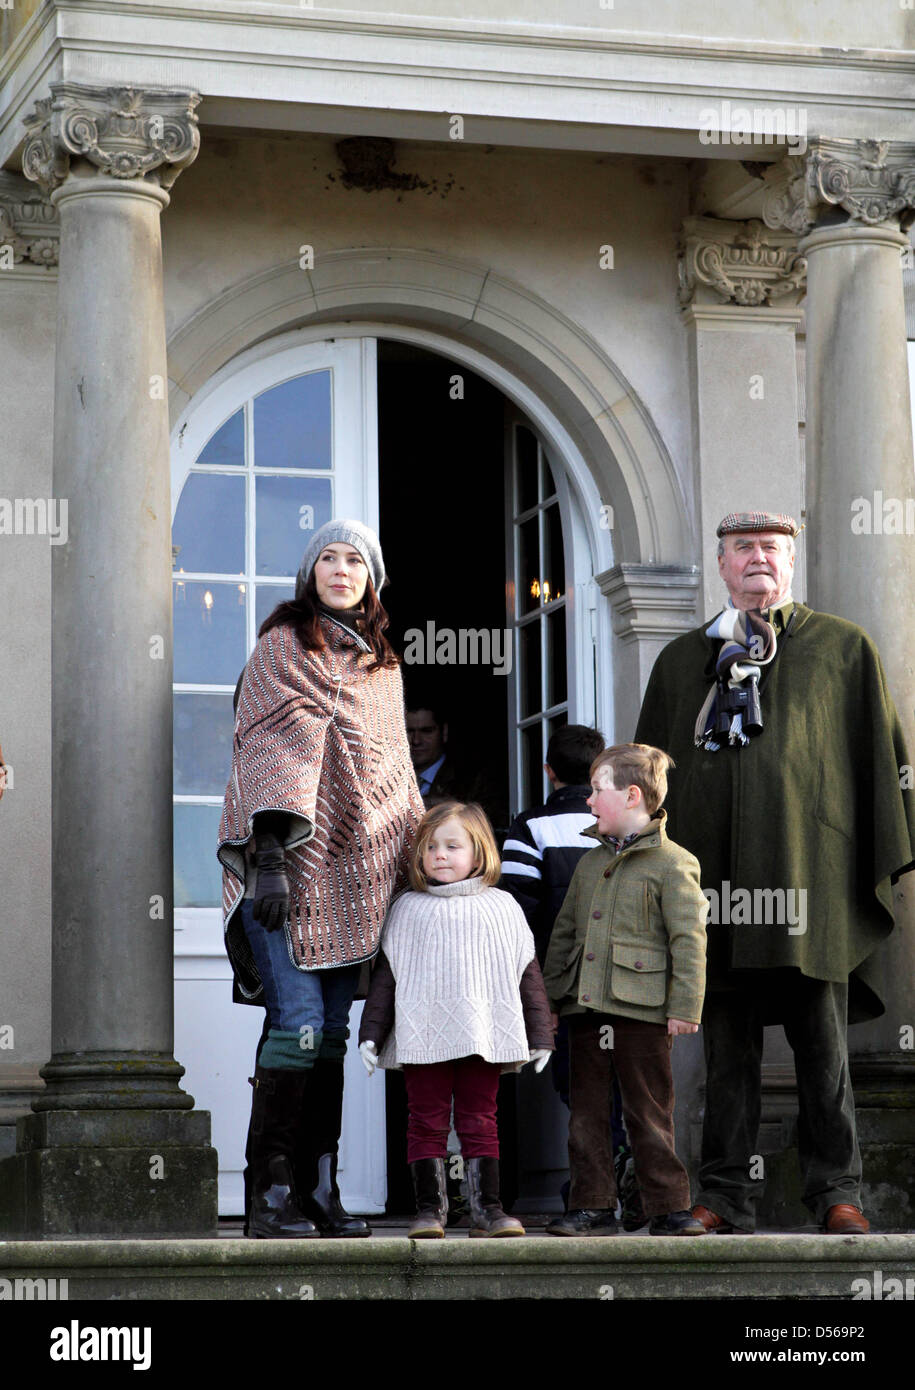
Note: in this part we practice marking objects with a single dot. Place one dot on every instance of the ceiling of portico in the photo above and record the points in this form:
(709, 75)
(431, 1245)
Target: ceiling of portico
(431, 127)
(282, 68)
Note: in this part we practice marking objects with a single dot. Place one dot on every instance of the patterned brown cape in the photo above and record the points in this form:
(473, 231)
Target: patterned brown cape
(321, 737)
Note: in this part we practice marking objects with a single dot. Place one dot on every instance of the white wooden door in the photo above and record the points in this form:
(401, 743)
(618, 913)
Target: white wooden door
(279, 442)
(551, 606)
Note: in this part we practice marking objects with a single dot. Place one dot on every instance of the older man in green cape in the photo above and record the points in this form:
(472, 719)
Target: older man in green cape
(787, 788)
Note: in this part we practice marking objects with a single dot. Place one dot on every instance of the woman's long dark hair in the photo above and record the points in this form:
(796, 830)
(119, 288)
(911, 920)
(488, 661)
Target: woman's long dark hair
(304, 615)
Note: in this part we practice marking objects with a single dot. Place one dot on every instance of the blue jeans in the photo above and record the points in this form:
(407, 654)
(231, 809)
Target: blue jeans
(297, 1000)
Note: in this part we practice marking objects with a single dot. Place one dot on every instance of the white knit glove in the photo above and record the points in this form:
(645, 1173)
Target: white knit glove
(540, 1056)
(369, 1054)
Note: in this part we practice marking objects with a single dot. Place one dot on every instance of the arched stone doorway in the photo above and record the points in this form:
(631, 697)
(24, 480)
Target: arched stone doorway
(599, 451)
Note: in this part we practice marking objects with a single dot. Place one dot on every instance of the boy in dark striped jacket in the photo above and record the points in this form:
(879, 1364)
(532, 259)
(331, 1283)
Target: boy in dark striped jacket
(544, 844)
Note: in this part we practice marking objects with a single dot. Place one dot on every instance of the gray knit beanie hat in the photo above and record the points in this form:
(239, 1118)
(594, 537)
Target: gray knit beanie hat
(354, 533)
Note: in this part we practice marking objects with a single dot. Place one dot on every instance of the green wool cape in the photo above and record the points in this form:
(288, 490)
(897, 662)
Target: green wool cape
(818, 802)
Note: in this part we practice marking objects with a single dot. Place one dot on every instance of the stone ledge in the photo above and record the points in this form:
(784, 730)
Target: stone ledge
(88, 1129)
(538, 1267)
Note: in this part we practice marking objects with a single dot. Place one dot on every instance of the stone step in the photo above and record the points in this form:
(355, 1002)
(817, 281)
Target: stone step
(764, 1266)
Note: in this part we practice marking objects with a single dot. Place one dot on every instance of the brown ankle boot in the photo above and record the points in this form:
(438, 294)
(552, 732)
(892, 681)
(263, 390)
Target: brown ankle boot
(486, 1215)
(431, 1199)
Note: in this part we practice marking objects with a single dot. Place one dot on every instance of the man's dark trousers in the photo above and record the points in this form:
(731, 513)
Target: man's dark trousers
(814, 1014)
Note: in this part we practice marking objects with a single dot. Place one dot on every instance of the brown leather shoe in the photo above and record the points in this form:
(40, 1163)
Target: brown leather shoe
(846, 1220)
(712, 1221)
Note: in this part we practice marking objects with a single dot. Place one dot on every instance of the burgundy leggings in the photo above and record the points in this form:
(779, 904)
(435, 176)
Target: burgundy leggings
(474, 1083)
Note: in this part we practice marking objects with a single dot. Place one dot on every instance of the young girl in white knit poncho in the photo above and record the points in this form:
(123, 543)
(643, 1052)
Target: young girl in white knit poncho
(456, 998)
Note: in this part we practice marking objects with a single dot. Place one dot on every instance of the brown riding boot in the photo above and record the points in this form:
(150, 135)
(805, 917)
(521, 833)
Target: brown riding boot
(486, 1215)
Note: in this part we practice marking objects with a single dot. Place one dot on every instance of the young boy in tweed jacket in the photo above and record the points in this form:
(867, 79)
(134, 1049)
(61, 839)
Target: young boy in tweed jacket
(626, 966)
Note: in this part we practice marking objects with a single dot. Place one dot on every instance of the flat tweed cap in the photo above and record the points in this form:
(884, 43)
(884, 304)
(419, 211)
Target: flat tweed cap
(347, 532)
(758, 521)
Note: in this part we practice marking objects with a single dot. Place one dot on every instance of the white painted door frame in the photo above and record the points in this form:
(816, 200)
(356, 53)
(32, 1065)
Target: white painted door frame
(214, 1039)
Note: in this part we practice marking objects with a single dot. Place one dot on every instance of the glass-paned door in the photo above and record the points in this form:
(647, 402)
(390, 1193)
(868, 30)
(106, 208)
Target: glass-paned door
(537, 610)
(281, 463)
(272, 449)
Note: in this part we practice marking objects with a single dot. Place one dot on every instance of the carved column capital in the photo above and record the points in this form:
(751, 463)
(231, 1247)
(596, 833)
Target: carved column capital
(28, 222)
(873, 181)
(650, 602)
(744, 263)
(127, 132)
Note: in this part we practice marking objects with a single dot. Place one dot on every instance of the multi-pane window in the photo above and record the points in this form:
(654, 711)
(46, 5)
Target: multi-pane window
(260, 486)
(539, 617)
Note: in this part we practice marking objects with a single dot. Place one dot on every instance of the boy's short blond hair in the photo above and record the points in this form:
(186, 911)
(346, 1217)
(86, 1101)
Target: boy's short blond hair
(635, 764)
(476, 822)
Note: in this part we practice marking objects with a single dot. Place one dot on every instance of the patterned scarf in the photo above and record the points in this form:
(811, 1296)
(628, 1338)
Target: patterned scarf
(732, 708)
(319, 736)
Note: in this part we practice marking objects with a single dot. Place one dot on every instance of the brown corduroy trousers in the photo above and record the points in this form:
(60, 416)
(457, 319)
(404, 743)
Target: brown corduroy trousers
(641, 1058)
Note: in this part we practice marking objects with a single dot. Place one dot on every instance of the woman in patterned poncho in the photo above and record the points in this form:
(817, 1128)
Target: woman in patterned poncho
(317, 827)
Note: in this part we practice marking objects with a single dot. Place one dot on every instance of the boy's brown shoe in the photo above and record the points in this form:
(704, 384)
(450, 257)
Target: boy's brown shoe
(583, 1223)
(676, 1223)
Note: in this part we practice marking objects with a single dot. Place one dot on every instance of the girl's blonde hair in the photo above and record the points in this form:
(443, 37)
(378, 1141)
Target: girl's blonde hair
(476, 822)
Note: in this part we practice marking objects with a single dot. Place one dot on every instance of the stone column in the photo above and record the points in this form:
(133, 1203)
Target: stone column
(740, 290)
(29, 237)
(112, 1147)
(847, 200)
